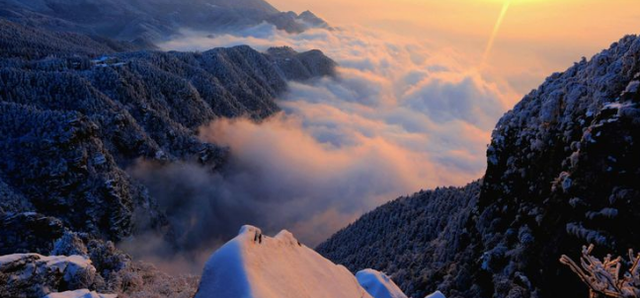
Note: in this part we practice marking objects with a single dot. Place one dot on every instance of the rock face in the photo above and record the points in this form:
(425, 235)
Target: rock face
(562, 172)
(152, 20)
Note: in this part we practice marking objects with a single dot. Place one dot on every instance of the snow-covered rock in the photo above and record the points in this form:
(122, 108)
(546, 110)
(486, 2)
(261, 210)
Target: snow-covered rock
(256, 266)
(82, 293)
(34, 275)
(378, 284)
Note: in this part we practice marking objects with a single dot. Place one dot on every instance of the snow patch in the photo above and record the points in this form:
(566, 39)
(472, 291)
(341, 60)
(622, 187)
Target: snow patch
(256, 266)
(437, 294)
(378, 284)
(57, 262)
(83, 293)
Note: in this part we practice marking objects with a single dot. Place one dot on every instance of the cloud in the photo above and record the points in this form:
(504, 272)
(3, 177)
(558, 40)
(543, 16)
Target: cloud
(399, 117)
(467, 98)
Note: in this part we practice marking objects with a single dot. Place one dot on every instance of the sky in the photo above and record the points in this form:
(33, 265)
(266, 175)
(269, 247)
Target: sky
(537, 37)
(416, 97)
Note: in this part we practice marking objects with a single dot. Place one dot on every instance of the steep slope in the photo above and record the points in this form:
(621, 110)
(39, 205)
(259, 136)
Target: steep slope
(256, 266)
(563, 169)
(562, 172)
(145, 21)
(412, 238)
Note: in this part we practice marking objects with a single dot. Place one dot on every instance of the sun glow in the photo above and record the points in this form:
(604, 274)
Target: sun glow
(496, 29)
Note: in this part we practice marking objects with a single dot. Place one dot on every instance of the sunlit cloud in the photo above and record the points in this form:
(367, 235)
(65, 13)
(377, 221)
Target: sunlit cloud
(406, 112)
(399, 117)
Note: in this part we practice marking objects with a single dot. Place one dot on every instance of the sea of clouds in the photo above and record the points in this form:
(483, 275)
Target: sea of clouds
(400, 116)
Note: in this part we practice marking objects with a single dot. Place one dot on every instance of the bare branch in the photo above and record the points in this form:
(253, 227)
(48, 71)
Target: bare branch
(603, 276)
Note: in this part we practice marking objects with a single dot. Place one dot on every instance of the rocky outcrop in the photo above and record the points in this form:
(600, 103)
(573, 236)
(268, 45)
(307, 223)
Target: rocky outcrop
(75, 270)
(60, 165)
(562, 172)
(34, 275)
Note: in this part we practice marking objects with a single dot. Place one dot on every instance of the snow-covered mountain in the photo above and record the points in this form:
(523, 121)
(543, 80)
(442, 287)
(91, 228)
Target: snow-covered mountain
(152, 20)
(253, 265)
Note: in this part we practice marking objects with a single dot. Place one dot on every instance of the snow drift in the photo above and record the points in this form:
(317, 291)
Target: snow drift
(83, 293)
(252, 265)
(378, 284)
(255, 266)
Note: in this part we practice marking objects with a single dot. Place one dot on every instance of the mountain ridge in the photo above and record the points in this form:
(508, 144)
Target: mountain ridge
(135, 105)
(147, 21)
(77, 111)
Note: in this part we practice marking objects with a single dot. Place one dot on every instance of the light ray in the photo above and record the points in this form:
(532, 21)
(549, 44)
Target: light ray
(496, 29)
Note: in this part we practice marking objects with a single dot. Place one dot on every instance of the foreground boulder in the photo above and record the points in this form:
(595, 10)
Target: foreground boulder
(34, 275)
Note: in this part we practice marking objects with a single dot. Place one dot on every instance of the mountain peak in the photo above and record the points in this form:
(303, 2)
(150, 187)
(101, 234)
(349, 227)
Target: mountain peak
(257, 266)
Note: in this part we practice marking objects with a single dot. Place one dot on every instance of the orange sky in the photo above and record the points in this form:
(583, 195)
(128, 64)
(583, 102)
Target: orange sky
(537, 37)
(414, 106)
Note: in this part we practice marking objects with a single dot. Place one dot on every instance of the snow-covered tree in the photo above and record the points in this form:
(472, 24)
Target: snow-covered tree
(604, 277)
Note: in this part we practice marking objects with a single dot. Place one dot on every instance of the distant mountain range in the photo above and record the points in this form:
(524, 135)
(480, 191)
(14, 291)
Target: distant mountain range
(563, 171)
(148, 21)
